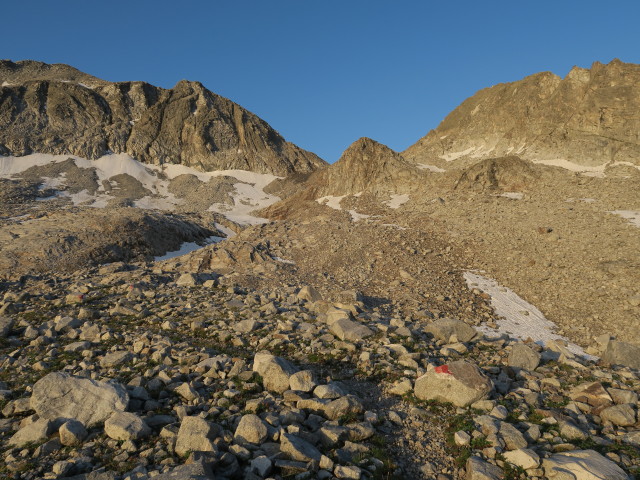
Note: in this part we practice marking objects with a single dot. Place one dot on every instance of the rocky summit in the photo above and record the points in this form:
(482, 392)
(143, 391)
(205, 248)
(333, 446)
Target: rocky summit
(172, 309)
(588, 118)
(58, 110)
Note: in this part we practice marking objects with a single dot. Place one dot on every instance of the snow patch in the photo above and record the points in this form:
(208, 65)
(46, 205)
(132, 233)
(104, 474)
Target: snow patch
(519, 319)
(632, 215)
(397, 201)
(449, 157)
(331, 201)
(597, 171)
(249, 194)
(227, 231)
(188, 247)
(282, 260)
(512, 195)
(355, 216)
(433, 168)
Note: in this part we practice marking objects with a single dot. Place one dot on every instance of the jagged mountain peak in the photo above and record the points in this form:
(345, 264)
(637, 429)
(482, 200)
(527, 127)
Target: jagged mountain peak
(57, 109)
(588, 118)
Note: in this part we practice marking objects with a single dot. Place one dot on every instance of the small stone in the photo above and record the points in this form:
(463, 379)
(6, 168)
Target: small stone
(298, 449)
(522, 356)
(32, 433)
(261, 466)
(523, 457)
(126, 426)
(187, 392)
(195, 435)
(302, 381)
(350, 472)
(251, 429)
(275, 371)
(72, 432)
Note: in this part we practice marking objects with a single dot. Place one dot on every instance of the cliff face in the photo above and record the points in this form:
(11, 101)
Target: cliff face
(59, 110)
(591, 118)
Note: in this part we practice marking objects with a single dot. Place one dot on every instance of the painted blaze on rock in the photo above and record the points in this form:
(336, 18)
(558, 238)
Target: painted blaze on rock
(460, 383)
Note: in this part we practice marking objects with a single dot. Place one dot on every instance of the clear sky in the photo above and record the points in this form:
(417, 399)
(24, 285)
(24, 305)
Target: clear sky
(326, 72)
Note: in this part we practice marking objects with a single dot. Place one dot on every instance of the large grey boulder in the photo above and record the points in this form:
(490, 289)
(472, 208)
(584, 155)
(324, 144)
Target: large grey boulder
(522, 356)
(349, 330)
(6, 324)
(195, 435)
(72, 432)
(275, 371)
(251, 429)
(460, 383)
(59, 395)
(444, 328)
(583, 465)
(622, 353)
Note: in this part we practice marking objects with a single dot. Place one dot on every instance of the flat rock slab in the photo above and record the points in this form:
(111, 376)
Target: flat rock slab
(478, 469)
(349, 330)
(582, 464)
(460, 383)
(444, 328)
(298, 449)
(88, 401)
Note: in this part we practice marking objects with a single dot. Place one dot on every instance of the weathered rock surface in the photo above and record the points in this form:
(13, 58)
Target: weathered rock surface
(582, 464)
(44, 110)
(275, 371)
(622, 353)
(460, 383)
(195, 435)
(88, 401)
(582, 118)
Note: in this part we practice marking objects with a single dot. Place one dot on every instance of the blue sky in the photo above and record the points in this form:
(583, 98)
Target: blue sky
(324, 73)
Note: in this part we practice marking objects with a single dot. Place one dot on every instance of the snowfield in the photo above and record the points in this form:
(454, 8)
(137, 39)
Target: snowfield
(249, 194)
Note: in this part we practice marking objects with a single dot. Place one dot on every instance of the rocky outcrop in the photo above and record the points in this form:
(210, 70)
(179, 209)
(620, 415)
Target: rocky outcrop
(506, 174)
(589, 118)
(366, 166)
(59, 110)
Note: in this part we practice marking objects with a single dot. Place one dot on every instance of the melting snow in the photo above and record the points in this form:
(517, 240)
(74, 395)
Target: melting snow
(632, 215)
(397, 200)
(519, 319)
(249, 195)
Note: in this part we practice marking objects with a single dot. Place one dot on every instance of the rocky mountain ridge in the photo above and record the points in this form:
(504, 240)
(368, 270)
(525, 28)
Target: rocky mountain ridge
(59, 110)
(589, 118)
